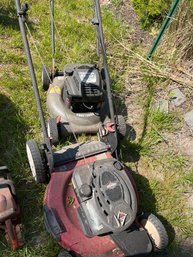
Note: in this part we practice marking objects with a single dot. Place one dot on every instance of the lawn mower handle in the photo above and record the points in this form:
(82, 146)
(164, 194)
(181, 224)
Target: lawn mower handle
(97, 21)
(99, 29)
(21, 13)
(52, 34)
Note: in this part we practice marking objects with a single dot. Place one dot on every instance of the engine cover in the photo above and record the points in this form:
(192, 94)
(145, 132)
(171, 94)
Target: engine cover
(108, 202)
(83, 83)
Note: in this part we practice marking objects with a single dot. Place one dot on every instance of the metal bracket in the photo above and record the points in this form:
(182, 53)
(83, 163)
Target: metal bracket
(23, 10)
(13, 234)
(95, 21)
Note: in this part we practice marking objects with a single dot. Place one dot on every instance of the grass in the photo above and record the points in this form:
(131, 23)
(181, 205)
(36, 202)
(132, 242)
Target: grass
(162, 175)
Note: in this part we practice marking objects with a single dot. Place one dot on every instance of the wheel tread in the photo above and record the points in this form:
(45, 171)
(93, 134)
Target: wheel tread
(161, 230)
(53, 126)
(38, 162)
(121, 126)
(45, 78)
(64, 254)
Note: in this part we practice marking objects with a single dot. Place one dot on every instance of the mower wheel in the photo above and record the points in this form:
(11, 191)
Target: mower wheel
(36, 162)
(155, 230)
(64, 253)
(121, 125)
(52, 128)
(45, 78)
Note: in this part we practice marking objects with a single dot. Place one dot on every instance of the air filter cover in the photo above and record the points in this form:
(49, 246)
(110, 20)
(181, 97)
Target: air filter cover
(83, 82)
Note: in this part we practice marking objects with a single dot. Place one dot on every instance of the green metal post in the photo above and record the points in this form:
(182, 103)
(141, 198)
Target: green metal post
(163, 28)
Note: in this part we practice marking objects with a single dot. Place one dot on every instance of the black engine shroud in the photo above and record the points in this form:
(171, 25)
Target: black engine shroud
(83, 84)
(107, 198)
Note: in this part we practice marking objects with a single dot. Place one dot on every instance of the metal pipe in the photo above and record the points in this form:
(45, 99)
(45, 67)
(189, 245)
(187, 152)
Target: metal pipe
(52, 34)
(163, 28)
(21, 13)
(103, 51)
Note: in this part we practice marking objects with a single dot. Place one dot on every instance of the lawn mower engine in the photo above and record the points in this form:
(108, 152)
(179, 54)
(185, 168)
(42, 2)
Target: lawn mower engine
(83, 90)
(90, 206)
(9, 210)
(107, 199)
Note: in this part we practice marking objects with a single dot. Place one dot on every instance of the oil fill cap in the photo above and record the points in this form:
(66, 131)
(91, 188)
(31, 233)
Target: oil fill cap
(86, 190)
(117, 165)
(69, 71)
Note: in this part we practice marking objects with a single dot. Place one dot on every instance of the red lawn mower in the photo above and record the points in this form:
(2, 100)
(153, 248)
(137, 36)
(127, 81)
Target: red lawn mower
(9, 210)
(91, 201)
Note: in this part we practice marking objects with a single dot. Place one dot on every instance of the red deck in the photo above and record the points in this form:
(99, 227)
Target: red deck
(60, 196)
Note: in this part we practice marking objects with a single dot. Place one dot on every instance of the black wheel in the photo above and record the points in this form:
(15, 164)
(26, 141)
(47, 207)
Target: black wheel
(45, 78)
(36, 162)
(121, 125)
(52, 128)
(64, 253)
(155, 230)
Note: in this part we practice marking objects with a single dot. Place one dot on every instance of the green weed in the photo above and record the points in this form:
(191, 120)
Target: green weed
(151, 11)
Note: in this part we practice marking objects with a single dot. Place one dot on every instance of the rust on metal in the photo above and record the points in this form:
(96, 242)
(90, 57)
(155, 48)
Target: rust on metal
(9, 211)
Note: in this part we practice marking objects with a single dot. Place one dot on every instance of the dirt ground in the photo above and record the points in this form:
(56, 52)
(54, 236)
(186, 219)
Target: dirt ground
(181, 141)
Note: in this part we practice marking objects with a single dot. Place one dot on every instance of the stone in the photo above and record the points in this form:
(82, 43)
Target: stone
(105, 2)
(162, 105)
(177, 97)
(189, 119)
